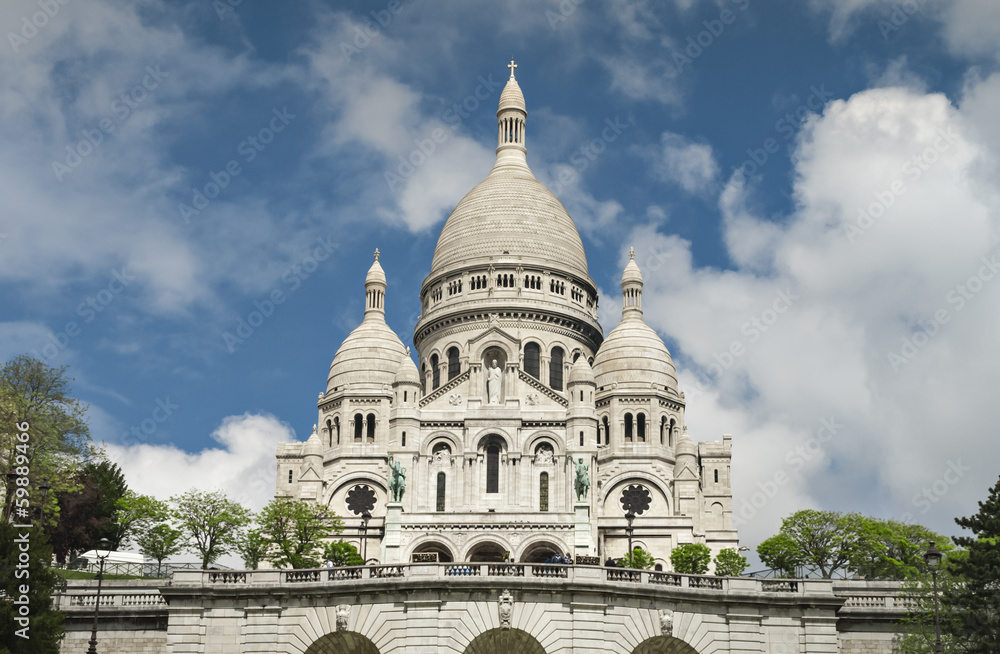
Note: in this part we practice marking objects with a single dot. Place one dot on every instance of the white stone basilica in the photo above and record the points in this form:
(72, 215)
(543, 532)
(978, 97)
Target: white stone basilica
(523, 426)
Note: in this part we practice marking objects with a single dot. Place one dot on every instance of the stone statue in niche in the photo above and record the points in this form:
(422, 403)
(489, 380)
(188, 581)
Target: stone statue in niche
(397, 482)
(544, 455)
(494, 383)
(442, 455)
(582, 481)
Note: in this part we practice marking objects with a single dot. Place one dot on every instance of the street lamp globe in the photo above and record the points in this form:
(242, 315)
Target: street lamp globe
(933, 556)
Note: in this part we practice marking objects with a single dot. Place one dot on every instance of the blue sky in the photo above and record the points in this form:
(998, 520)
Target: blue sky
(752, 141)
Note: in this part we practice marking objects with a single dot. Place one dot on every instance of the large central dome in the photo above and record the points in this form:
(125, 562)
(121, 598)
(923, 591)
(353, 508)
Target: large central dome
(510, 214)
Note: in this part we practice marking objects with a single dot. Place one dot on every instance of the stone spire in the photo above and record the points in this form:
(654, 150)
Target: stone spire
(631, 288)
(511, 115)
(375, 284)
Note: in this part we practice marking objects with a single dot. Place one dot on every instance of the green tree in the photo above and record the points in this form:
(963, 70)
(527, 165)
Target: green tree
(210, 521)
(252, 546)
(297, 529)
(35, 399)
(975, 603)
(159, 542)
(87, 514)
(893, 550)
(135, 513)
(730, 563)
(781, 553)
(45, 629)
(691, 558)
(918, 635)
(341, 552)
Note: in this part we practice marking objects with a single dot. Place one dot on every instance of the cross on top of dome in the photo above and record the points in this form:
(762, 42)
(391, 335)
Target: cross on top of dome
(376, 254)
(631, 253)
(512, 66)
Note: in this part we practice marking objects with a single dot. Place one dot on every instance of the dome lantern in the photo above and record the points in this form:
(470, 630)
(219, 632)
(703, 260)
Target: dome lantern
(375, 285)
(631, 288)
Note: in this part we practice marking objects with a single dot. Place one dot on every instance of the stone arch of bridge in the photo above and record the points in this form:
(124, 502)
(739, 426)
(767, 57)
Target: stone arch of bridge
(342, 642)
(504, 641)
(664, 645)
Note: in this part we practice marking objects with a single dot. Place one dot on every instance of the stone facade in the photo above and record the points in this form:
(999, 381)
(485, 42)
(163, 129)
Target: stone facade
(508, 296)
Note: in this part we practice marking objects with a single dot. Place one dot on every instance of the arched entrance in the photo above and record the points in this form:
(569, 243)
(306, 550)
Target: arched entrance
(504, 641)
(539, 552)
(343, 642)
(487, 552)
(664, 645)
(444, 554)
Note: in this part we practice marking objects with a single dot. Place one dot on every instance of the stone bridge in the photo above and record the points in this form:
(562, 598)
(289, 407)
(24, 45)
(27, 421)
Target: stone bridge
(483, 609)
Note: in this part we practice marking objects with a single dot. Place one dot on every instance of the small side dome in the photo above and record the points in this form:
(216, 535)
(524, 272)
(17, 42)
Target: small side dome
(368, 359)
(407, 372)
(313, 446)
(581, 372)
(685, 446)
(634, 356)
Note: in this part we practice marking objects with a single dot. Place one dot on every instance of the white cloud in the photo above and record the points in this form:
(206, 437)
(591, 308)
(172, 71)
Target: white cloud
(680, 161)
(243, 466)
(801, 330)
(969, 27)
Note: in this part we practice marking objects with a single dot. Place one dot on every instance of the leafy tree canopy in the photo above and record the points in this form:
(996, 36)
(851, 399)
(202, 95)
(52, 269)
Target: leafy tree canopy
(730, 563)
(691, 558)
(297, 530)
(210, 521)
(341, 552)
(45, 629)
(35, 399)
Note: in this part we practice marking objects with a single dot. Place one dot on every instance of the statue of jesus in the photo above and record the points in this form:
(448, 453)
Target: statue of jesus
(493, 383)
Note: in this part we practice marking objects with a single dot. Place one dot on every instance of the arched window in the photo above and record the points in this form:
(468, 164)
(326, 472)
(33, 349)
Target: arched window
(403, 443)
(628, 427)
(581, 439)
(607, 431)
(289, 476)
(435, 372)
(454, 365)
(717, 475)
(336, 428)
(371, 427)
(532, 356)
(556, 369)
(543, 492)
(359, 425)
(492, 469)
(663, 430)
(329, 432)
(441, 481)
(641, 427)
(670, 433)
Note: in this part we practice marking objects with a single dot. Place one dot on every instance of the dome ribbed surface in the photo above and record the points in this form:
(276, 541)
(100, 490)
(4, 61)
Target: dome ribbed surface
(368, 358)
(511, 97)
(407, 372)
(375, 273)
(633, 355)
(581, 372)
(631, 274)
(510, 211)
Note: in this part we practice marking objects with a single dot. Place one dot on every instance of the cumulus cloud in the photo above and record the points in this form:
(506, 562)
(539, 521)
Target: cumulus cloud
(242, 465)
(680, 161)
(850, 350)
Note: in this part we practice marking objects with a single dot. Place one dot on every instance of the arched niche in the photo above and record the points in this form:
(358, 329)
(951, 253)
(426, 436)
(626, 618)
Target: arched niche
(487, 551)
(540, 550)
(504, 641)
(342, 642)
(444, 554)
(491, 354)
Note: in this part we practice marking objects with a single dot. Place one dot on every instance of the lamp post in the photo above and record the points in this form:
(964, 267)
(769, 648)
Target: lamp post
(105, 543)
(365, 517)
(932, 557)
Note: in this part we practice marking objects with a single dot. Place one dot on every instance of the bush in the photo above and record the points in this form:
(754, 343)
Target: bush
(637, 559)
